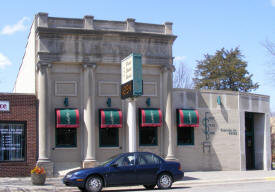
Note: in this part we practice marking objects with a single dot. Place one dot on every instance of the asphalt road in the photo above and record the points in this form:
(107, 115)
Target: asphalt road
(264, 186)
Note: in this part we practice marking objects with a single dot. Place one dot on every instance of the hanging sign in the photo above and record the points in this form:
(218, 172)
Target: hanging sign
(131, 76)
(4, 106)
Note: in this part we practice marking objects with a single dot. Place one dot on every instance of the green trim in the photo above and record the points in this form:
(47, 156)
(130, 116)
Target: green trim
(192, 137)
(155, 135)
(66, 146)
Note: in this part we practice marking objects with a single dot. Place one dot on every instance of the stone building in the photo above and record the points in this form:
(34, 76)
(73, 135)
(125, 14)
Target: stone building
(73, 67)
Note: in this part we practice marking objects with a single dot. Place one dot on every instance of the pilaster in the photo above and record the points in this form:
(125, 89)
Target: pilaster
(89, 115)
(43, 131)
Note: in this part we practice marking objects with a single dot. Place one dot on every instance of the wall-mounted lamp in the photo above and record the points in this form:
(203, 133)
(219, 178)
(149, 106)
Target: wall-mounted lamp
(109, 102)
(148, 102)
(66, 101)
(219, 100)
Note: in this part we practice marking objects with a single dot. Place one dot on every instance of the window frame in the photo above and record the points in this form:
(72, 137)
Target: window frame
(25, 135)
(192, 143)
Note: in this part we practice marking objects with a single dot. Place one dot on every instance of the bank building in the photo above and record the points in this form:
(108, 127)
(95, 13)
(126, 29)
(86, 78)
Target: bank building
(71, 69)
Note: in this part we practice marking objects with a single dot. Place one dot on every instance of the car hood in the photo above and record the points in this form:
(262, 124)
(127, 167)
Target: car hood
(87, 170)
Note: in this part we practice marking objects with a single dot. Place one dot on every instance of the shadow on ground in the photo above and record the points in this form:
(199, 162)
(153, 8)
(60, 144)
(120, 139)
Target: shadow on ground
(117, 190)
(186, 178)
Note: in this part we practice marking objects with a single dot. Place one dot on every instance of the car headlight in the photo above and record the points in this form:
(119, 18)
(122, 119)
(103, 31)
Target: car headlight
(69, 176)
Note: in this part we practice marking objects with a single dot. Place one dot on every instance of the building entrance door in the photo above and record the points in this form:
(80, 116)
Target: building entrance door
(249, 141)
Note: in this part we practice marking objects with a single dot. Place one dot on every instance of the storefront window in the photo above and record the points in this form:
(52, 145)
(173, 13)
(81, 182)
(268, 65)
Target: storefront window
(66, 137)
(148, 136)
(185, 135)
(12, 141)
(108, 137)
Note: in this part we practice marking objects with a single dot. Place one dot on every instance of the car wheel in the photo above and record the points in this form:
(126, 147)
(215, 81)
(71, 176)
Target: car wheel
(94, 184)
(164, 181)
(149, 186)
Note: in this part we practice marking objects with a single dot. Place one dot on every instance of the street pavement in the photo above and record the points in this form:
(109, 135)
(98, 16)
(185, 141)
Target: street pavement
(193, 181)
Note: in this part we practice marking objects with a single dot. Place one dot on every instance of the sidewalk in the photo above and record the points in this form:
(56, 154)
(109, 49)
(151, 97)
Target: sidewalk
(207, 177)
(191, 178)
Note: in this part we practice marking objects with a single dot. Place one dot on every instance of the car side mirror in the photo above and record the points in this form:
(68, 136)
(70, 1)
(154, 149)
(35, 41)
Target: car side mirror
(114, 165)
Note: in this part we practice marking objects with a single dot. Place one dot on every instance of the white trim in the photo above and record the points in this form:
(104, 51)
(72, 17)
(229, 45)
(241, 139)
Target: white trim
(108, 82)
(66, 82)
(155, 89)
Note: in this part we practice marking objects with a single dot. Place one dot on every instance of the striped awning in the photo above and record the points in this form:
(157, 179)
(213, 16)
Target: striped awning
(110, 118)
(67, 118)
(150, 117)
(188, 118)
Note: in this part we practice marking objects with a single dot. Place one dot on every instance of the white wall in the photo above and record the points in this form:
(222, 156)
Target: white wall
(25, 81)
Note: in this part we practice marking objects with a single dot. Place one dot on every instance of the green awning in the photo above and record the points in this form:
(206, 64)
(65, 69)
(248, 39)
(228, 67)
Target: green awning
(67, 118)
(150, 118)
(188, 118)
(110, 118)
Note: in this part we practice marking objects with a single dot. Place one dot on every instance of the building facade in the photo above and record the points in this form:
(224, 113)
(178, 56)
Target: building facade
(73, 67)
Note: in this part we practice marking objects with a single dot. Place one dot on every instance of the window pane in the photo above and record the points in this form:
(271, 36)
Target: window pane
(108, 137)
(66, 137)
(148, 136)
(185, 135)
(128, 160)
(12, 142)
(145, 159)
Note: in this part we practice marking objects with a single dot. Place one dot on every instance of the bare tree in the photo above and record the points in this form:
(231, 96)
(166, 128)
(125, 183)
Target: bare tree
(182, 77)
(270, 47)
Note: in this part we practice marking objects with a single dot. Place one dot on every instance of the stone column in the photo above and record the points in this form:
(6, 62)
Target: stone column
(42, 92)
(131, 122)
(169, 132)
(89, 115)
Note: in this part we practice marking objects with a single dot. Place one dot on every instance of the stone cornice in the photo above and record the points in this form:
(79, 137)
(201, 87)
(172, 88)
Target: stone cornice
(63, 31)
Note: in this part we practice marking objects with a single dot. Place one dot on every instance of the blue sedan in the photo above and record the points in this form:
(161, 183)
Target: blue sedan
(138, 168)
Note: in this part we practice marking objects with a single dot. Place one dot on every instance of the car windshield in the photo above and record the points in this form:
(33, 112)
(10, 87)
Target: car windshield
(109, 160)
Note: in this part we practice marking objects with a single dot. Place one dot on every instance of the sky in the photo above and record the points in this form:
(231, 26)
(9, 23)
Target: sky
(201, 27)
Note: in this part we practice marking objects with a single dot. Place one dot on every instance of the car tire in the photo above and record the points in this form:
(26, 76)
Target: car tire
(94, 184)
(164, 181)
(149, 186)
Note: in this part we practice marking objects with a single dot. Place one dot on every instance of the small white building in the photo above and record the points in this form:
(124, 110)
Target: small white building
(73, 66)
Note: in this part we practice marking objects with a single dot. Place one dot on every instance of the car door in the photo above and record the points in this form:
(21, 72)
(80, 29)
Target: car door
(147, 168)
(123, 170)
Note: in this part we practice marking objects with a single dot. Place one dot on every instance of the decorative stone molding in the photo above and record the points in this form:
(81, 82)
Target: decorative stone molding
(170, 68)
(89, 65)
(42, 20)
(168, 28)
(89, 22)
(43, 65)
(131, 24)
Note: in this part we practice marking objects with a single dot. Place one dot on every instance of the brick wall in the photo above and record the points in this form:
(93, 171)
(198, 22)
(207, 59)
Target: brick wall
(23, 108)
